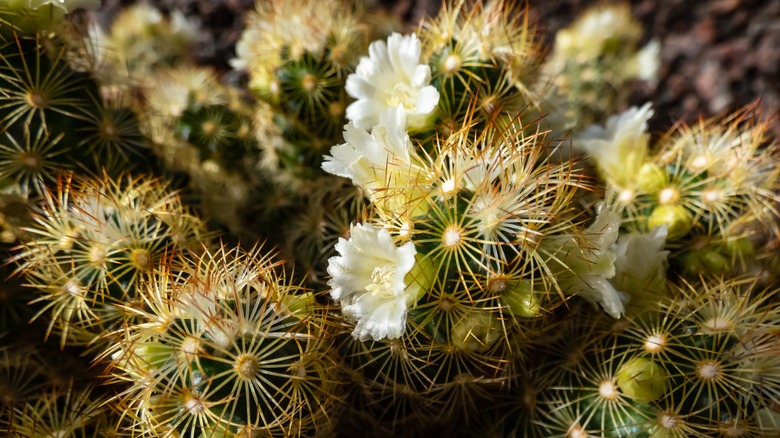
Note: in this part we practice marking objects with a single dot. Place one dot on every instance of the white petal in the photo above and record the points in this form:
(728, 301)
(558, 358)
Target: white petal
(404, 54)
(358, 87)
(364, 113)
(422, 75)
(427, 100)
(340, 160)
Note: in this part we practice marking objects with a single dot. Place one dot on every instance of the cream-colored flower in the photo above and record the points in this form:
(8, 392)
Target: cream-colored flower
(383, 163)
(589, 36)
(645, 63)
(640, 265)
(392, 76)
(368, 279)
(619, 148)
(584, 266)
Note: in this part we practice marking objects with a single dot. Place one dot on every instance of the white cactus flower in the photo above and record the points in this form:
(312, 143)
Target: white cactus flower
(392, 76)
(383, 163)
(368, 279)
(620, 147)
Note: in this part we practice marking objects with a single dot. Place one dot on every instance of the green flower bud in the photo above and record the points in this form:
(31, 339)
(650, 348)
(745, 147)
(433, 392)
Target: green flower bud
(642, 380)
(707, 259)
(300, 305)
(741, 247)
(677, 219)
(476, 332)
(421, 277)
(652, 178)
(519, 299)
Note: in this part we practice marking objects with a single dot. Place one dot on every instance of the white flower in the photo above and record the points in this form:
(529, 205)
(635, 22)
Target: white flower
(389, 77)
(586, 265)
(368, 279)
(382, 163)
(640, 266)
(621, 147)
(646, 63)
(587, 37)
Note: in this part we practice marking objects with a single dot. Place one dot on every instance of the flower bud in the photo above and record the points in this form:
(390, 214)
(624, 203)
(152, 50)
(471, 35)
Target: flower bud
(651, 178)
(642, 380)
(675, 217)
(519, 299)
(476, 332)
(300, 305)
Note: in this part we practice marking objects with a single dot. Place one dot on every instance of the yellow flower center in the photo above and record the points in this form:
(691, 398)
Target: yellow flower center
(382, 281)
(402, 94)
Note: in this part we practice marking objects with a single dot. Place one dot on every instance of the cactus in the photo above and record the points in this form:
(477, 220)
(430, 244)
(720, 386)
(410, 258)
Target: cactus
(592, 60)
(470, 242)
(712, 186)
(92, 239)
(473, 237)
(226, 345)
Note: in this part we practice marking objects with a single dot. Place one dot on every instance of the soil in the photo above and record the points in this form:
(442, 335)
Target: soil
(717, 55)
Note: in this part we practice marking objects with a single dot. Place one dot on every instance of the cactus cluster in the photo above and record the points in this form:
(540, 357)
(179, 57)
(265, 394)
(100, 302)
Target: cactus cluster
(473, 234)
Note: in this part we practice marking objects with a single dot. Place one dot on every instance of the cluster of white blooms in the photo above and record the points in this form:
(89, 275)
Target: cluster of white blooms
(620, 147)
(393, 94)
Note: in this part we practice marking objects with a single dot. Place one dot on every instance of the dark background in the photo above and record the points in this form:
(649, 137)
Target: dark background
(716, 55)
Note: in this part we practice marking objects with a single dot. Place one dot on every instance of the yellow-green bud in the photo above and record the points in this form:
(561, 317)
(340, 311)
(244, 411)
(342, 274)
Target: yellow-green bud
(300, 305)
(476, 332)
(151, 355)
(519, 299)
(642, 380)
(420, 278)
(676, 218)
(706, 260)
(651, 178)
(741, 247)
(712, 260)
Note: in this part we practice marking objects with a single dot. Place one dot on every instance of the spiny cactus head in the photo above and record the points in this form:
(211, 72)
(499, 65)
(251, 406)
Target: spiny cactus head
(43, 114)
(482, 55)
(31, 16)
(28, 163)
(495, 32)
(92, 238)
(22, 374)
(304, 52)
(223, 346)
(139, 41)
(111, 136)
(66, 411)
(279, 31)
(594, 57)
(218, 133)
